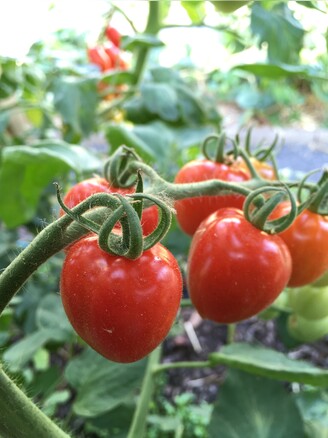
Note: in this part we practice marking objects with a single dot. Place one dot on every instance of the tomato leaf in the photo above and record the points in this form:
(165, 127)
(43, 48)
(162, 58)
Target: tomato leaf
(269, 363)
(101, 385)
(141, 40)
(313, 404)
(280, 30)
(161, 99)
(76, 100)
(254, 407)
(26, 170)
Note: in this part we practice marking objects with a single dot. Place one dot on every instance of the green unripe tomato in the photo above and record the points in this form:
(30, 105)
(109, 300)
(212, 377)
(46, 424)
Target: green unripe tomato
(227, 6)
(306, 330)
(280, 304)
(309, 302)
(322, 281)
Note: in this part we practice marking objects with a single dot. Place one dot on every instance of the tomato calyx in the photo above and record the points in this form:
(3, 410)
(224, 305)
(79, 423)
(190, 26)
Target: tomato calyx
(261, 203)
(259, 156)
(317, 201)
(220, 142)
(129, 241)
(116, 169)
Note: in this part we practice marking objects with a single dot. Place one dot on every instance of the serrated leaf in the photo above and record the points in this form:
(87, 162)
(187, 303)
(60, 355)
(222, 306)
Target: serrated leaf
(161, 99)
(76, 100)
(254, 407)
(280, 30)
(101, 385)
(269, 363)
(26, 170)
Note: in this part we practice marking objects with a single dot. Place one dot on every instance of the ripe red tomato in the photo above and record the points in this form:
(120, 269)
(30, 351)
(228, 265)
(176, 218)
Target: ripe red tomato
(265, 170)
(235, 270)
(113, 35)
(122, 308)
(114, 54)
(307, 241)
(84, 189)
(98, 56)
(192, 211)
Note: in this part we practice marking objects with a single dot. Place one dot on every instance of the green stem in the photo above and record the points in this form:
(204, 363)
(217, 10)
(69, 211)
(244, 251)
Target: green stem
(231, 332)
(139, 421)
(20, 417)
(174, 365)
(51, 240)
(153, 26)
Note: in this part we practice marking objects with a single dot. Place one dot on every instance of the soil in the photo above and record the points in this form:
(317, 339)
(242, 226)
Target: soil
(204, 382)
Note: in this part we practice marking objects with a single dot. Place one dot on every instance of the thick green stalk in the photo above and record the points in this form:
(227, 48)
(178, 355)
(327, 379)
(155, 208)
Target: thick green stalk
(139, 422)
(153, 26)
(51, 240)
(20, 417)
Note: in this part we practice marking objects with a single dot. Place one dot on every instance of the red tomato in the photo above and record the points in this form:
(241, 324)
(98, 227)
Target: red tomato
(122, 308)
(115, 55)
(113, 35)
(192, 211)
(98, 56)
(265, 170)
(307, 241)
(84, 189)
(235, 270)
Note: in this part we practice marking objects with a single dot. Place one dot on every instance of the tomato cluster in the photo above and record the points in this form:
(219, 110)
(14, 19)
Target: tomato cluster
(124, 308)
(108, 56)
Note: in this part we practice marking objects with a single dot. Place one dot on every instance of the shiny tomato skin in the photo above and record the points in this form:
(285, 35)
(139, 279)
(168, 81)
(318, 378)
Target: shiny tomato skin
(122, 308)
(88, 187)
(235, 270)
(192, 211)
(307, 241)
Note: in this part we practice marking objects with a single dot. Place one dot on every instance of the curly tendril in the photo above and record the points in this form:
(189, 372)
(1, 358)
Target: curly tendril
(259, 205)
(220, 142)
(128, 241)
(317, 200)
(116, 169)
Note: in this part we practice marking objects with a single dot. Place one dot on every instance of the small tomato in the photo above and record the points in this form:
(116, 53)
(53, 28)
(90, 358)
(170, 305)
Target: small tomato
(306, 330)
(234, 269)
(309, 302)
(192, 211)
(122, 308)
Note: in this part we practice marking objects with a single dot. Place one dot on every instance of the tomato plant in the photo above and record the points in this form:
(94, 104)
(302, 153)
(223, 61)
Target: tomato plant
(307, 241)
(115, 55)
(234, 269)
(86, 188)
(264, 169)
(191, 212)
(306, 330)
(122, 308)
(309, 302)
